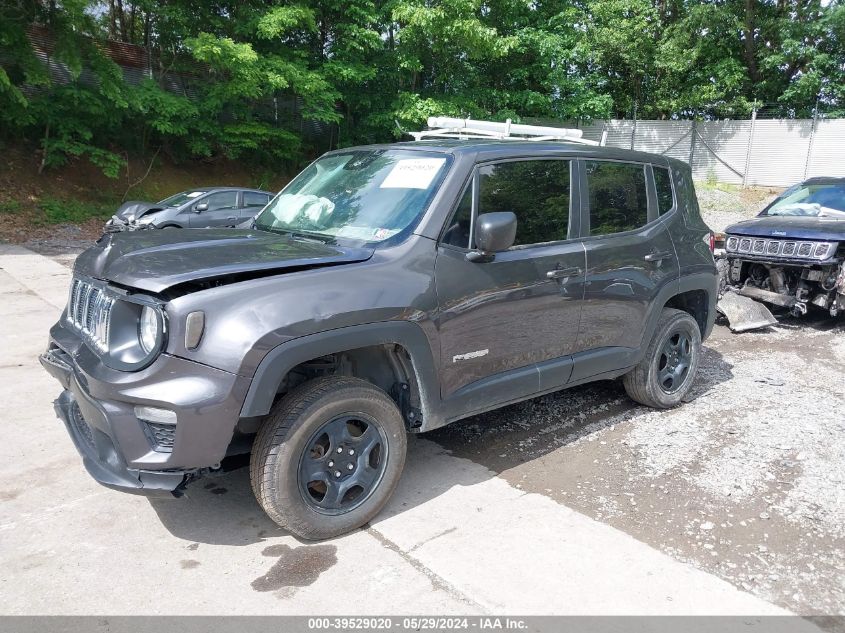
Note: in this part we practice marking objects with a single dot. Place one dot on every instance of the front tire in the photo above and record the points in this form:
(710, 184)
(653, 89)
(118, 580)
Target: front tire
(667, 371)
(328, 457)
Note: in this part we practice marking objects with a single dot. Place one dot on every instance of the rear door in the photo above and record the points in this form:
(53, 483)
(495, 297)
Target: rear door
(630, 258)
(222, 210)
(523, 307)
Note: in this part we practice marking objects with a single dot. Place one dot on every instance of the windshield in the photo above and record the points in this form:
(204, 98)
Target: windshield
(364, 195)
(820, 201)
(180, 198)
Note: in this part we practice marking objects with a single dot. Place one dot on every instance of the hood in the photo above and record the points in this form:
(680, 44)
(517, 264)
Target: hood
(134, 209)
(157, 260)
(794, 227)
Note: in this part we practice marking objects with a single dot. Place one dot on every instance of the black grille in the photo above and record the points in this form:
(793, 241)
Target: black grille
(759, 246)
(81, 426)
(744, 245)
(805, 249)
(789, 248)
(162, 436)
(773, 247)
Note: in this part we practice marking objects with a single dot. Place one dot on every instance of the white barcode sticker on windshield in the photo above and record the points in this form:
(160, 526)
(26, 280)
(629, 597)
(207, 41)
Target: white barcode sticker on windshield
(413, 173)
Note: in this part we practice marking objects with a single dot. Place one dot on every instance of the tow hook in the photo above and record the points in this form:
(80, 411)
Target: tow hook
(799, 309)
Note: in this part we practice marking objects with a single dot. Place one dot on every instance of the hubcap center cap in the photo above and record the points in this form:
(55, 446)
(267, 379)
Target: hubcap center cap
(343, 462)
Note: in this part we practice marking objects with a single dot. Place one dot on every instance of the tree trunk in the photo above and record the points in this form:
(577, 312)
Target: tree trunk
(112, 20)
(749, 46)
(132, 12)
(121, 20)
(44, 144)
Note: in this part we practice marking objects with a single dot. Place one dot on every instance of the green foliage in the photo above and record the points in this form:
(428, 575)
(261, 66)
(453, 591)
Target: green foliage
(10, 206)
(58, 211)
(359, 67)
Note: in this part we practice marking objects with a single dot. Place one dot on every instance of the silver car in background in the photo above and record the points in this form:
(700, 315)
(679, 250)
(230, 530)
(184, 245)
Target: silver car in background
(202, 207)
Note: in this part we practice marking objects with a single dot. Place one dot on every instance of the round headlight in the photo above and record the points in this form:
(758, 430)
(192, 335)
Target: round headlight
(148, 329)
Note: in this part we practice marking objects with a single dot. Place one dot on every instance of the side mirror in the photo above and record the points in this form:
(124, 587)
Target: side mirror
(199, 207)
(494, 232)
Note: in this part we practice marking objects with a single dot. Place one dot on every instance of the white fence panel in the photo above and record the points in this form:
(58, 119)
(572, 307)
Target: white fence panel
(773, 152)
(779, 152)
(720, 150)
(827, 157)
(670, 138)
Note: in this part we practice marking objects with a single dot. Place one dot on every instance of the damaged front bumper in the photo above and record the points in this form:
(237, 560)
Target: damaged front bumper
(795, 282)
(118, 225)
(125, 452)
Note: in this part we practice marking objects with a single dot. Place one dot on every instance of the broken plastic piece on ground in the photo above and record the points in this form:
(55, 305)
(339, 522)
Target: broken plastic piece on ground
(743, 313)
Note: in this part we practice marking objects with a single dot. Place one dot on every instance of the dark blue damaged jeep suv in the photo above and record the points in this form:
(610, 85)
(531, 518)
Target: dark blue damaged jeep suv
(386, 290)
(792, 254)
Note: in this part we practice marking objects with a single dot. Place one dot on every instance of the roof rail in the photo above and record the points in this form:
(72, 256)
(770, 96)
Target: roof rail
(467, 129)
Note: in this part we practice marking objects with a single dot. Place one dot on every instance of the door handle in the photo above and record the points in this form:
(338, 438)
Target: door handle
(658, 257)
(557, 273)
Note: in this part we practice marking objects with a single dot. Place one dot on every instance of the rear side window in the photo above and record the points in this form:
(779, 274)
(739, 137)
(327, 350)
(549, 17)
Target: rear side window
(663, 184)
(537, 191)
(252, 199)
(617, 194)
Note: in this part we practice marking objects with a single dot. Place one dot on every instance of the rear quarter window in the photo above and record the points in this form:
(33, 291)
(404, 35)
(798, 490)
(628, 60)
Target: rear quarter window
(663, 185)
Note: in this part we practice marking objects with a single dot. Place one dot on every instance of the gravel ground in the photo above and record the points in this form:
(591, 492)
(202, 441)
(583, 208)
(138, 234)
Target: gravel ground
(723, 206)
(746, 480)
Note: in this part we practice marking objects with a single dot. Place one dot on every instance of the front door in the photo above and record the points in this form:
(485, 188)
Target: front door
(522, 308)
(630, 256)
(221, 210)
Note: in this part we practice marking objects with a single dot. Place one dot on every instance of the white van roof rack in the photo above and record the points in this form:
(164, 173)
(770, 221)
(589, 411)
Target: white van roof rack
(468, 129)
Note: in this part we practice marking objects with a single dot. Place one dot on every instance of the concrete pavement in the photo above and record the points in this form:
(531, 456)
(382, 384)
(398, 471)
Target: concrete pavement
(454, 539)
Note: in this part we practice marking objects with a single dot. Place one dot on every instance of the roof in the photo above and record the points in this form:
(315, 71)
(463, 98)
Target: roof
(492, 149)
(824, 180)
(225, 187)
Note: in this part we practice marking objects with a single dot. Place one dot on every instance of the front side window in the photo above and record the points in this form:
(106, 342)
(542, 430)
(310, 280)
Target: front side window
(663, 185)
(816, 200)
(537, 191)
(617, 195)
(222, 200)
(363, 196)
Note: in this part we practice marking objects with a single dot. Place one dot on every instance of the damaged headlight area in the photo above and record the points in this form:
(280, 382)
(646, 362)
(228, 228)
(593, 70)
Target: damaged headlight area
(126, 332)
(793, 274)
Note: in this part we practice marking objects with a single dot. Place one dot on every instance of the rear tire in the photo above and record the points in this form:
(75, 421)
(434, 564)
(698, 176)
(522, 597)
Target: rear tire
(667, 371)
(328, 457)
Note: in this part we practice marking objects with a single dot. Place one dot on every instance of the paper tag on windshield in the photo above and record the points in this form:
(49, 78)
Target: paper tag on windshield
(413, 173)
(194, 194)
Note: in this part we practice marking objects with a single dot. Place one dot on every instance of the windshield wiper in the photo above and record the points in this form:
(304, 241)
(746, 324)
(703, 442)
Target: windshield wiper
(303, 236)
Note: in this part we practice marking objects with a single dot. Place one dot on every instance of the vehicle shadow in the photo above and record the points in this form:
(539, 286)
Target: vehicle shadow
(222, 510)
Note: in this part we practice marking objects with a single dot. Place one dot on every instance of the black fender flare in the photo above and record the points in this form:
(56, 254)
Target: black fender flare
(284, 357)
(707, 282)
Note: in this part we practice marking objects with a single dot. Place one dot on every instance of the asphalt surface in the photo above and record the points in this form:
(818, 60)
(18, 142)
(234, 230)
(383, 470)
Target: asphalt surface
(575, 503)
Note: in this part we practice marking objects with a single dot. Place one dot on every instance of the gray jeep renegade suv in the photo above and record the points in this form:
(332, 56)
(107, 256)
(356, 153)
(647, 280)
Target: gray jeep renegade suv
(386, 290)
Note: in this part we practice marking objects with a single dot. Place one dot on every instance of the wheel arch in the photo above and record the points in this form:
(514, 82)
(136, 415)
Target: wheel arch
(695, 294)
(401, 344)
